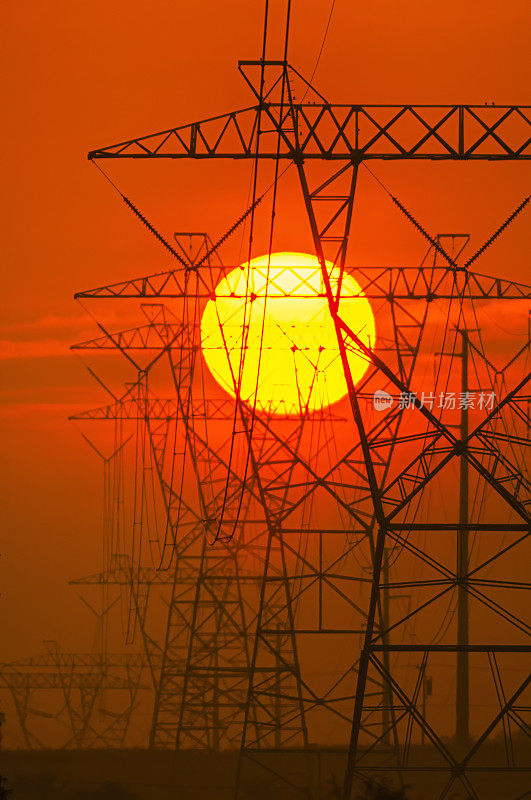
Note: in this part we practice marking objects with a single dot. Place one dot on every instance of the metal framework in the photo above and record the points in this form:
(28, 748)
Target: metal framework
(380, 492)
(201, 687)
(96, 696)
(318, 130)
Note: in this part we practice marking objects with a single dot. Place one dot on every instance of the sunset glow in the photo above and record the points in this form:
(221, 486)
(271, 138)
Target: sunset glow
(291, 357)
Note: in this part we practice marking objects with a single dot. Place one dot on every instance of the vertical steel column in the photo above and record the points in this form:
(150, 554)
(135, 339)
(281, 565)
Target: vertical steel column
(462, 711)
(377, 543)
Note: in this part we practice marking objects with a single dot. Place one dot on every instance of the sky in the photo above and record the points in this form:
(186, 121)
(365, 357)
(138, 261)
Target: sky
(78, 75)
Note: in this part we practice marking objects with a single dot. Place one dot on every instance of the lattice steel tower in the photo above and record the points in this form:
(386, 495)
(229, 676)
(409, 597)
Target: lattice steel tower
(390, 551)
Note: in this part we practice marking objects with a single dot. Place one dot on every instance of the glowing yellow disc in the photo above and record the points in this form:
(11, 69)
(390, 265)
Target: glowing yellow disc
(270, 332)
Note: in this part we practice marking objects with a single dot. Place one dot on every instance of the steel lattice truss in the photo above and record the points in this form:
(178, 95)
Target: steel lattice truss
(201, 679)
(320, 130)
(84, 683)
(400, 283)
(361, 536)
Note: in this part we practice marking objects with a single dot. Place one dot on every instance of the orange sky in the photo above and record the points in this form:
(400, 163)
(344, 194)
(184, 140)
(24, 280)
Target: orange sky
(77, 75)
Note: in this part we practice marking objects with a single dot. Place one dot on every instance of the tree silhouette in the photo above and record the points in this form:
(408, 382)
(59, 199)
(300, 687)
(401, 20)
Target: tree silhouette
(4, 791)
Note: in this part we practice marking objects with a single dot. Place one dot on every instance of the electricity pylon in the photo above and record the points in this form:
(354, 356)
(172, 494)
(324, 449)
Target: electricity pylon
(406, 335)
(201, 688)
(205, 660)
(67, 690)
(400, 459)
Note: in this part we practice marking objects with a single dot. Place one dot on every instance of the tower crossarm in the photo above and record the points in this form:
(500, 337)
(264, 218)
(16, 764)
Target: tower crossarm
(73, 670)
(377, 283)
(218, 409)
(65, 660)
(122, 576)
(154, 336)
(345, 132)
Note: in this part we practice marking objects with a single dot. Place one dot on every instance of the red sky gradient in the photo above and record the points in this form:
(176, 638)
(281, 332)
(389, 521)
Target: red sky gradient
(77, 75)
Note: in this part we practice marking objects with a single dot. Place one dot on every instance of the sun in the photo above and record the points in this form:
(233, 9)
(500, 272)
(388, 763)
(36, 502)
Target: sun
(269, 330)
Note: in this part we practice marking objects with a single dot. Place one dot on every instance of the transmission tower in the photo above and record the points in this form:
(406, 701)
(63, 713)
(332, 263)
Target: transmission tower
(446, 555)
(70, 693)
(205, 658)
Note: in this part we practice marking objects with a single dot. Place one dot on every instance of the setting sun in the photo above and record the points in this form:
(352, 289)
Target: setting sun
(291, 359)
